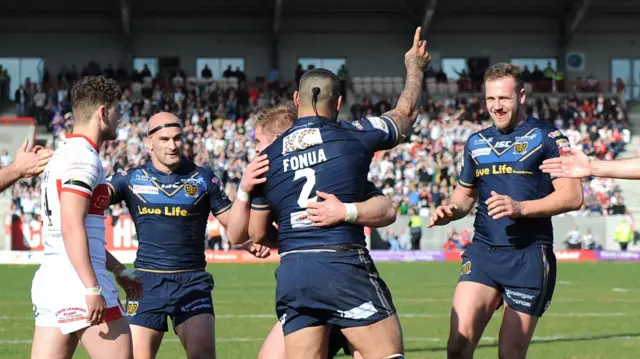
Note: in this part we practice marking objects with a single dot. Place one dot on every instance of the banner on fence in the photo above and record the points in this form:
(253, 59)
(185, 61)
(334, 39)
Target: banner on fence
(120, 238)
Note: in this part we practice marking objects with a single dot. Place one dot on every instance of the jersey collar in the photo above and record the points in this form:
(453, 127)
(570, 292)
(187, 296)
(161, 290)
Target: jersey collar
(76, 135)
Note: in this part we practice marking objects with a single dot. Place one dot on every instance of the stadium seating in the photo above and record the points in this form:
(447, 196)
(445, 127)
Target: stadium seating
(419, 174)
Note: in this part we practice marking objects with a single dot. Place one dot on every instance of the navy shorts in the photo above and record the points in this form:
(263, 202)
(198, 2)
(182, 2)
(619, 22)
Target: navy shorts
(178, 296)
(341, 288)
(525, 277)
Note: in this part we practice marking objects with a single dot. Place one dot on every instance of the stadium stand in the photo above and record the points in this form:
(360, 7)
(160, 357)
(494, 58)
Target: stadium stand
(418, 175)
(218, 79)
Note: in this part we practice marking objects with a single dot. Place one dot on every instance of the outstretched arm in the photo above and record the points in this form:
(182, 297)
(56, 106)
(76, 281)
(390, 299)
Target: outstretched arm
(375, 212)
(29, 162)
(406, 112)
(628, 168)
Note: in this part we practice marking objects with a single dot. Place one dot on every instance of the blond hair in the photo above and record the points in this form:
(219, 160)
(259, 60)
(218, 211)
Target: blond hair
(276, 120)
(502, 70)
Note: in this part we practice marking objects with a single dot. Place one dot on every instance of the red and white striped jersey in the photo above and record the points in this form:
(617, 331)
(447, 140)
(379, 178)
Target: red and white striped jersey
(75, 168)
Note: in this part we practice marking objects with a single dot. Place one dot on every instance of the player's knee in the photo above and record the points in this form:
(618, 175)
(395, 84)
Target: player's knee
(201, 355)
(459, 347)
(512, 350)
(203, 351)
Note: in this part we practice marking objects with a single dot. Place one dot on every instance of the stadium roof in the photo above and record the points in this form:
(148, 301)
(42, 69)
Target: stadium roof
(406, 8)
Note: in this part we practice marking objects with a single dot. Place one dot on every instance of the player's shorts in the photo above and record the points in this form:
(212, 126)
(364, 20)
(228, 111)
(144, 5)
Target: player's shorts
(525, 277)
(341, 288)
(337, 342)
(59, 299)
(178, 296)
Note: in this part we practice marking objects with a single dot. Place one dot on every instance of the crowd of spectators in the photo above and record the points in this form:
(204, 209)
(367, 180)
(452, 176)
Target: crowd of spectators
(417, 175)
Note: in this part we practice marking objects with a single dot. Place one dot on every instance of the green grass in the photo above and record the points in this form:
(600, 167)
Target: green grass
(595, 312)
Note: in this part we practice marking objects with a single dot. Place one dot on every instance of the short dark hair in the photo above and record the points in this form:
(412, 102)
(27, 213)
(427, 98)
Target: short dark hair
(91, 92)
(322, 81)
(504, 69)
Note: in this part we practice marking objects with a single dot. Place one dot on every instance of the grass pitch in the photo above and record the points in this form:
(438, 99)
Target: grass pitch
(594, 314)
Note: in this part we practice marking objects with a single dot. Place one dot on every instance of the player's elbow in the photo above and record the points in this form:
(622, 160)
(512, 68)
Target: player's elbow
(576, 198)
(389, 217)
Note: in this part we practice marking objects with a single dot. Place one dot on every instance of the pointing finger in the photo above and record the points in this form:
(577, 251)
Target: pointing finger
(416, 36)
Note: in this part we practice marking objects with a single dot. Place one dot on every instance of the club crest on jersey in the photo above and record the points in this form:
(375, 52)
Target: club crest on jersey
(466, 268)
(191, 189)
(301, 139)
(521, 147)
(132, 307)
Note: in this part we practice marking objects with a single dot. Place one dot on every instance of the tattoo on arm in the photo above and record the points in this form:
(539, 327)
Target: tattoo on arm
(405, 113)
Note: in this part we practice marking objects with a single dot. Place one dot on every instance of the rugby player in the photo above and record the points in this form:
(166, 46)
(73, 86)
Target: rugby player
(376, 211)
(576, 164)
(320, 154)
(511, 257)
(30, 161)
(170, 199)
(74, 296)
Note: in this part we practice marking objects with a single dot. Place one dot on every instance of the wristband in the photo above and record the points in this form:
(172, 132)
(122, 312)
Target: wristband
(242, 195)
(126, 273)
(119, 269)
(93, 291)
(351, 213)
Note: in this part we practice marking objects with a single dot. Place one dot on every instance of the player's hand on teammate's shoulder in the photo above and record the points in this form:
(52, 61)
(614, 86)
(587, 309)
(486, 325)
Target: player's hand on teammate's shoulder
(258, 250)
(573, 164)
(442, 215)
(31, 161)
(500, 206)
(328, 212)
(252, 175)
(418, 56)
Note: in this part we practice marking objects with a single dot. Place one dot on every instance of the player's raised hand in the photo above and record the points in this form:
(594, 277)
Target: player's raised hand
(329, 212)
(418, 57)
(442, 215)
(572, 164)
(252, 175)
(31, 161)
(500, 206)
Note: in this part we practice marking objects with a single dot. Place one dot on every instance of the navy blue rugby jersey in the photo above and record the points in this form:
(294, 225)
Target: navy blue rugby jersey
(509, 165)
(319, 154)
(170, 212)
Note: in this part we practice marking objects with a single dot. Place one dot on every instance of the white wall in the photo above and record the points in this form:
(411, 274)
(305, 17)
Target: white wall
(372, 45)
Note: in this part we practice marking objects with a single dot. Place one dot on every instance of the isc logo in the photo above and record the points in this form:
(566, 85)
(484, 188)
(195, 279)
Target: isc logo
(503, 144)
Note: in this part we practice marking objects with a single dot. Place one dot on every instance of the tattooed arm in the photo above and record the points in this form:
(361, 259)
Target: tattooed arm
(406, 112)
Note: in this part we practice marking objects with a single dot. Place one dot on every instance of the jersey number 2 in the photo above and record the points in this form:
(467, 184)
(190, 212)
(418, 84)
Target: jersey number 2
(310, 181)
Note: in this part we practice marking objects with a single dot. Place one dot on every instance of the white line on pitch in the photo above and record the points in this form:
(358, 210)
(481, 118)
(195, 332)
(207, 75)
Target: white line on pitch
(552, 338)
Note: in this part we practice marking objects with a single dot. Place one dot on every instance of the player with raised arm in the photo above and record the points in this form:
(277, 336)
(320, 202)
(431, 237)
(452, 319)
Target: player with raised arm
(376, 211)
(320, 154)
(170, 199)
(74, 296)
(30, 161)
(511, 258)
(576, 164)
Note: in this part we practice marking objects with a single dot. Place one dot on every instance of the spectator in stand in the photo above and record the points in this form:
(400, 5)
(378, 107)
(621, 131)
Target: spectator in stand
(418, 174)
(573, 239)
